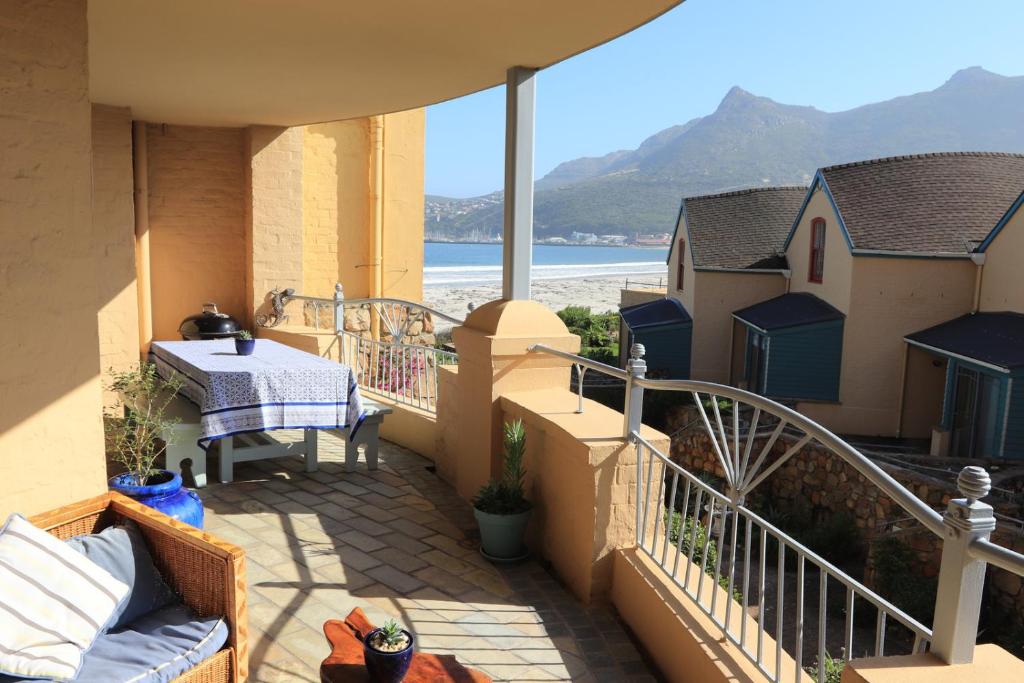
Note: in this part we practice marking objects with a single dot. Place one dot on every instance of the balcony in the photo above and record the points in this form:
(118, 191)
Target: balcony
(398, 543)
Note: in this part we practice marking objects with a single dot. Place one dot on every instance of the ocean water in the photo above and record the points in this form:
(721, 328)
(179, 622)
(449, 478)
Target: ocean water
(477, 264)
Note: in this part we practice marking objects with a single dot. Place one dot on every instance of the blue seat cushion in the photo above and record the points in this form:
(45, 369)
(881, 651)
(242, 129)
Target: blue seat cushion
(156, 648)
(123, 552)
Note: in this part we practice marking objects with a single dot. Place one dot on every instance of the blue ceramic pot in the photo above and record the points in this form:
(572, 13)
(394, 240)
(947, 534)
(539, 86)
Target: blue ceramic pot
(163, 491)
(387, 667)
(245, 347)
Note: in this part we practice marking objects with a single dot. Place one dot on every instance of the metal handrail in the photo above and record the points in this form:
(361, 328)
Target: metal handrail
(860, 462)
(395, 302)
(610, 370)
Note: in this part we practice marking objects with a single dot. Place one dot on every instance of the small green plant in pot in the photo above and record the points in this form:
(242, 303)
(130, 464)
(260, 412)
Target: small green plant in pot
(501, 508)
(136, 439)
(387, 652)
(244, 343)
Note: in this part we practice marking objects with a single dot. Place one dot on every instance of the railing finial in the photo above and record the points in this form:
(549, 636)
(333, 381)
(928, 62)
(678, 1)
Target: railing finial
(974, 483)
(637, 351)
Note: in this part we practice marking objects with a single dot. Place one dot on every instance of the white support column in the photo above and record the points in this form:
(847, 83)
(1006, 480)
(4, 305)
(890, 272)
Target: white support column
(637, 369)
(520, 96)
(961, 576)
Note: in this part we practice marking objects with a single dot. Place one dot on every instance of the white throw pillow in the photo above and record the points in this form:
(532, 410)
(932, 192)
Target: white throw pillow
(53, 603)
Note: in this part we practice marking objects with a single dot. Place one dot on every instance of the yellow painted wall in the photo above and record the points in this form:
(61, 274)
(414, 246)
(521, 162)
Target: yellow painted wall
(197, 223)
(892, 297)
(836, 284)
(684, 295)
(51, 434)
(716, 295)
(336, 208)
(404, 135)
(1001, 287)
(925, 386)
(113, 220)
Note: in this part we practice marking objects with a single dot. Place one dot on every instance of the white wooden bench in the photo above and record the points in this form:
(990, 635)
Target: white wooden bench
(182, 443)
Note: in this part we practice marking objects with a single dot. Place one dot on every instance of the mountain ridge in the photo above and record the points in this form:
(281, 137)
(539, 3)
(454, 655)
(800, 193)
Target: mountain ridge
(750, 140)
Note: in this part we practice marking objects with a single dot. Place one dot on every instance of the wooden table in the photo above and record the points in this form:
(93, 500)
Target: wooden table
(345, 663)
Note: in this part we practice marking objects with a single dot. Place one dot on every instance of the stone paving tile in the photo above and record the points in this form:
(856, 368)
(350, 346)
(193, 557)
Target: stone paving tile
(397, 543)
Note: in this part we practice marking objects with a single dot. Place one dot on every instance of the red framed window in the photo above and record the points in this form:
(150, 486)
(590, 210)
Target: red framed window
(817, 268)
(681, 273)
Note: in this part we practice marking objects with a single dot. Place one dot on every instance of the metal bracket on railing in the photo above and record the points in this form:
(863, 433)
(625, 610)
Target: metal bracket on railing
(278, 299)
(580, 372)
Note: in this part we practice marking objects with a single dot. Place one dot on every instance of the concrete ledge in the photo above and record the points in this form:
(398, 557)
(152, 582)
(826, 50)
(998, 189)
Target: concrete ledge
(992, 664)
(684, 642)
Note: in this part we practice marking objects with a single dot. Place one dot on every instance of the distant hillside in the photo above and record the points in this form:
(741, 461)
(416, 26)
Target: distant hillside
(747, 141)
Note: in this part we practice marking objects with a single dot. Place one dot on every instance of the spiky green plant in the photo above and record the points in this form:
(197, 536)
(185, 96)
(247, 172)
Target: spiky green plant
(391, 633)
(507, 496)
(245, 335)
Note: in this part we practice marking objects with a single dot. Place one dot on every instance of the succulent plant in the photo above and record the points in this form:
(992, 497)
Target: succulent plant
(245, 335)
(391, 633)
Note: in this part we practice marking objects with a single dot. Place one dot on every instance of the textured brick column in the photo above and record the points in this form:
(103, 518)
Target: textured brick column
(274, 227)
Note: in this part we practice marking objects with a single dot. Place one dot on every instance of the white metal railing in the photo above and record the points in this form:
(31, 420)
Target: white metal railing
(384, 356)
(743, 430)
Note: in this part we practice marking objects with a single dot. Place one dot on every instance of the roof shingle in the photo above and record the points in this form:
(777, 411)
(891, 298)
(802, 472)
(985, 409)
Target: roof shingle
(993, 338)
(942, 203)
(743, 229)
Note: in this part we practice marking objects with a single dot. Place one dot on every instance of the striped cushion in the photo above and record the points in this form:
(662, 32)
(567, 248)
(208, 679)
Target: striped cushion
(53, 603)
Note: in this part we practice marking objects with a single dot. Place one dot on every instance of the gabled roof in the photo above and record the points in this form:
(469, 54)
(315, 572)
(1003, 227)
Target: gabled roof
(739, 230)
(994, 339)
(1002, 223)
(655, 314)
(789, 310)
(940, 204)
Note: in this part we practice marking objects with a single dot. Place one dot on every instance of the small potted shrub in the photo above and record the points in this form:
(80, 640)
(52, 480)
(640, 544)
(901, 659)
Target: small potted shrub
(244, 343)
(501, 508)
(387, 651)
(134, 439)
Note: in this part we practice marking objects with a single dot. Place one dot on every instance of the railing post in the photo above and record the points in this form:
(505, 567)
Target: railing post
(636, 366)
(961, 576)
(339, 308)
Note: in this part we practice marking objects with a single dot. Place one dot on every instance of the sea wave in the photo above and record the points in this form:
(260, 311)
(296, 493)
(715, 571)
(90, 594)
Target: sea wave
(445, 276)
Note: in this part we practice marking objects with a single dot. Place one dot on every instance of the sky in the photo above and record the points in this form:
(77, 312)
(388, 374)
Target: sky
(831, 54)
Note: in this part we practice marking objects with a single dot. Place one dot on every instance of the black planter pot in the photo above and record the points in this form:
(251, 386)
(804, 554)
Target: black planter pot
(387, 667)
(245, 347)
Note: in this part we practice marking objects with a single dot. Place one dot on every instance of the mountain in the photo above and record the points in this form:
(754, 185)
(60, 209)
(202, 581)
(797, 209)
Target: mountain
(749, 141)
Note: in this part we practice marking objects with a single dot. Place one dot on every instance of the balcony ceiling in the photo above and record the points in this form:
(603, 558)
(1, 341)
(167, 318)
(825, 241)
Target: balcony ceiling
(238, 62)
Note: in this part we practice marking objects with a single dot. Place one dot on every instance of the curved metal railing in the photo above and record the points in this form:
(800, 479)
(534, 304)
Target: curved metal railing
(679, 516)
(389, 343)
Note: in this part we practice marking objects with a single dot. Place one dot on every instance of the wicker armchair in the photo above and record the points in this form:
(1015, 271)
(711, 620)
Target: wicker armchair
(207, 572)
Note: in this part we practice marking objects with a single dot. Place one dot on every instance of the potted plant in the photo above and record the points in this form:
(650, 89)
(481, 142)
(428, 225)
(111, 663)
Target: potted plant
(387, 651)
(134, 440)
(244, 343)
(501, 508)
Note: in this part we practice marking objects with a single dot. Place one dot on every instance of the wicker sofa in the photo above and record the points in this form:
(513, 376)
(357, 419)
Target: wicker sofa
(208, 573)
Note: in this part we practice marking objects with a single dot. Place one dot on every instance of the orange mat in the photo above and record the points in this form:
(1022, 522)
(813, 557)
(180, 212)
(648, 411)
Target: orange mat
(345, 663)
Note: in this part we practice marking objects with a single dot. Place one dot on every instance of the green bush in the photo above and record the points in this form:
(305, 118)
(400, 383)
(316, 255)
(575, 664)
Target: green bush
(833, 669)
(896, 580)
(695, 535)
(596, 330)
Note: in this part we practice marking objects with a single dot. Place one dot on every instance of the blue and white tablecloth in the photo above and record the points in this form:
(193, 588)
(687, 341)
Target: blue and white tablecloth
(277, 387)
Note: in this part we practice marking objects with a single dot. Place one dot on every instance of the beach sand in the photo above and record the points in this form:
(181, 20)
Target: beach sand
(601, 294)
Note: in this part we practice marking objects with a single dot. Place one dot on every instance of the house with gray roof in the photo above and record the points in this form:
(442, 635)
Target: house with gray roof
(894, 247)
(727, 253)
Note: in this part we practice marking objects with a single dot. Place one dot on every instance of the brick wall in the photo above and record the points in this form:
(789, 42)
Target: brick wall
(51, 434)
(113, 220)
(196, 218)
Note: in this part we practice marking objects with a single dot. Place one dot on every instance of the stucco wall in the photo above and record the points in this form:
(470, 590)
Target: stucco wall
(835, 285)
(684, 295)
(892, 298)
(1001, 288)
(113, 220)
(197, 222)
(51, 435)
(716, 295)
(924, 387)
